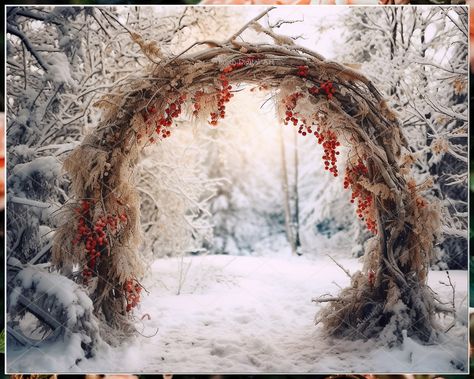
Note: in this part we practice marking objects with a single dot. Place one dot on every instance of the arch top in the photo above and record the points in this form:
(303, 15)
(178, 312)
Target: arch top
(201, 84)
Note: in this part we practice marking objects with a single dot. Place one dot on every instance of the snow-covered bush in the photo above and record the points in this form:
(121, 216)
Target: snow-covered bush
(47, 309)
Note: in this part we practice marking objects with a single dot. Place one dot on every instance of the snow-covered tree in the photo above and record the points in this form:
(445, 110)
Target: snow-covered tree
(60, 61)
(418, 56)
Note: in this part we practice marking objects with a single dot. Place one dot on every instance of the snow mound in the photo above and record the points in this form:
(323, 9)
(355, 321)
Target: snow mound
(65, 308)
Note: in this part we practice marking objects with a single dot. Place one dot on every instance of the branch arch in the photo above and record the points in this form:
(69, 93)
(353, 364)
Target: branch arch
(324, 100)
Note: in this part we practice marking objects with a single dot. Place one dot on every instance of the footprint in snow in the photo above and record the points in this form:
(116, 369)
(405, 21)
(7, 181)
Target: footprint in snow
(224, 351)
(243, 319)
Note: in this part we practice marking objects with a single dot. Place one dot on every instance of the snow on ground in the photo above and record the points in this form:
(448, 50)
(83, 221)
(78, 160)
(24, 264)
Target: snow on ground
(254, 314)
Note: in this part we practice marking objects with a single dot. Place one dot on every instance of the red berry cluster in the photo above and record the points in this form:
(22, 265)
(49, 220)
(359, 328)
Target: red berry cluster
(93, 235)
(224, 97)
(363, 196)
(327, 138)
(290, 116)
(224, 92)
(313, 90)
(172, 111)
(197, 102)
(304, 130)
(162, 123)
(132, 291)
(303, 71)
(290, 103)
(329, 141)
(327, 88)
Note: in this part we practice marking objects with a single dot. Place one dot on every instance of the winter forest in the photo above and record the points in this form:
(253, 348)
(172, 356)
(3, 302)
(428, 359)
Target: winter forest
(251, 189)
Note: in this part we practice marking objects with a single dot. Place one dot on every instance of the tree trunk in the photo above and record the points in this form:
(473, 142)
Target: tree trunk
(296, 199)
(286, 199)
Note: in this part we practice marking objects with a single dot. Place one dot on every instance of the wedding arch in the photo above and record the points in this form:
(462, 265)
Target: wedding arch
(325, 100)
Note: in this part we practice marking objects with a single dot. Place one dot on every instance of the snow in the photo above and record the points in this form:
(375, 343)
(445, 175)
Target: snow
(254, 314)
(75, 301)
(62, 355)
(69, 306)
(59, 70)
(50, 167)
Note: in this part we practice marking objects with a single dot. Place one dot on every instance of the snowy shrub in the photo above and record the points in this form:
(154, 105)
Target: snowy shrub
(57, 310)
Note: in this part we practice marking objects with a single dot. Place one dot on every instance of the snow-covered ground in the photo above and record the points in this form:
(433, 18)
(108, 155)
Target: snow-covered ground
(254, 314)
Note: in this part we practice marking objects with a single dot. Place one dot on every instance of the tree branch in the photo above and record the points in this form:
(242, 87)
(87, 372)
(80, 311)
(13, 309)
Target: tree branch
(342, 267)
(243, 28)
(17, 32)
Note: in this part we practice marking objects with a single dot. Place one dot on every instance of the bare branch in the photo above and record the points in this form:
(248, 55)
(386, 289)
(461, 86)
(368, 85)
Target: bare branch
(281, 22)
(342, 268)
(243, 28)
(99, 22)
(325, 299)
(453, 299)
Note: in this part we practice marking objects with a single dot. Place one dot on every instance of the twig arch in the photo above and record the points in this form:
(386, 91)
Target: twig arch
(332, 102)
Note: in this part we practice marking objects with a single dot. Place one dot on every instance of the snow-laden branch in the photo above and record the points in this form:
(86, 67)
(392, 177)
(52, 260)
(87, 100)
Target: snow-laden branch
(17, 32)
(454, 232)
(451, 70)
(28, 202)
(461, 26)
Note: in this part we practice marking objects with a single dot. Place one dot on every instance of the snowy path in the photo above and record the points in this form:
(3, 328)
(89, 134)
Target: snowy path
(254, 314)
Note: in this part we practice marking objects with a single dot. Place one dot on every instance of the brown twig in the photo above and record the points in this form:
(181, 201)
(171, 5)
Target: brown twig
(340, 266)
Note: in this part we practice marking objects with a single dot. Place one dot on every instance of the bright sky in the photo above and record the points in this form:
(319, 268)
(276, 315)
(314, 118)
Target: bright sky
(322, 41)
(313, 19)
